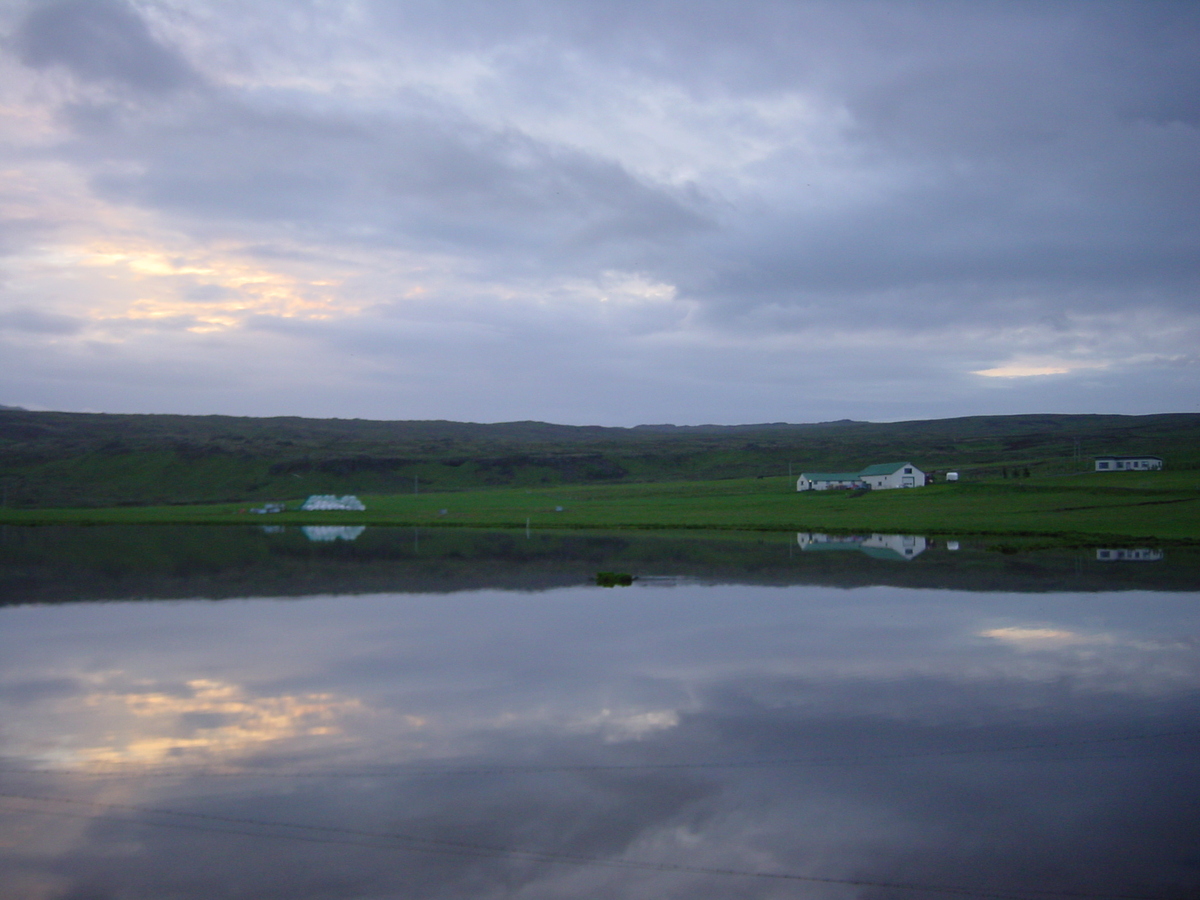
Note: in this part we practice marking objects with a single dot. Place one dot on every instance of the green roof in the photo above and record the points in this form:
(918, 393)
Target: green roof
(878, 469)
(883, 468)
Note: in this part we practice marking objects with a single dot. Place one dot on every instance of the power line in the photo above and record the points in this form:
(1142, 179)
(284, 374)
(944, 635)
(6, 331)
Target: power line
(466, 848)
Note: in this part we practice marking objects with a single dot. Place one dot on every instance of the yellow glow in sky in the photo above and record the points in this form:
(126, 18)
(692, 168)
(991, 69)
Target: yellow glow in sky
(1028, 368)
(1019, 371)
(211, 288)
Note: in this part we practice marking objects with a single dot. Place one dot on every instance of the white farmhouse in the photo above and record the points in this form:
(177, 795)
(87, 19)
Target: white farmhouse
(824, 481)
(1128, 463)
(877, 478)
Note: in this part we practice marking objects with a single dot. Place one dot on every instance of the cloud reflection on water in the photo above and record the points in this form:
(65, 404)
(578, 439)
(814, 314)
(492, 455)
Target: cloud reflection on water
(203, 721)
(865, 735)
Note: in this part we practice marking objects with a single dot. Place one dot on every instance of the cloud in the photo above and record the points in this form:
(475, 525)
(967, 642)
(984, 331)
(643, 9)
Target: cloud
(865, 196)
(31, 320)
(101, 40)
(618, 725)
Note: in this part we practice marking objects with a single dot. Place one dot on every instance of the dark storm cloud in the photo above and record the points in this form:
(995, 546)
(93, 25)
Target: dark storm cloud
(36, 322)
(1015, 147)
(101, 40)
(1045, 152)
(433, 182)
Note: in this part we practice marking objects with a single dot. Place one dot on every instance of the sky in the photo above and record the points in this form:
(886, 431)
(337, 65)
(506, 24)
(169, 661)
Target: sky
(606, 213)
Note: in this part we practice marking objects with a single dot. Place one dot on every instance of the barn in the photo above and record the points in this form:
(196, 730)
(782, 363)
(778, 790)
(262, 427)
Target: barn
(882, 476)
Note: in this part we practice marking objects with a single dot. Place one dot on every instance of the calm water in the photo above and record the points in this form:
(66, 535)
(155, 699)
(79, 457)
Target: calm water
(753, 719)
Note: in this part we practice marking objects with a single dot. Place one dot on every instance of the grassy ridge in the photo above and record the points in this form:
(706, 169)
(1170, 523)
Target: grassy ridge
(50, 459)
(1113, 506)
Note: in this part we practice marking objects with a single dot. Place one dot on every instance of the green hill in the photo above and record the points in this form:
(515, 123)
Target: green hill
(53, 459)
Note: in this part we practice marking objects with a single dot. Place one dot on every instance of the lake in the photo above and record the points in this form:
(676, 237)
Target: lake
(250, 713)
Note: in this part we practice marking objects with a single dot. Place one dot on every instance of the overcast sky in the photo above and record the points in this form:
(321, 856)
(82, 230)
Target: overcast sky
(600, 212)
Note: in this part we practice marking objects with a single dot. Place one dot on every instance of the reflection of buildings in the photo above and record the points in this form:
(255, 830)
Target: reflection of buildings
(333, 532)
(1121, 554)
(880, 546)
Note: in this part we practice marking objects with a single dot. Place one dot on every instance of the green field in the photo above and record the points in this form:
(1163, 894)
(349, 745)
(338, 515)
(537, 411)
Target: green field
(1021, 475)
(1110, 506)
(51, 459)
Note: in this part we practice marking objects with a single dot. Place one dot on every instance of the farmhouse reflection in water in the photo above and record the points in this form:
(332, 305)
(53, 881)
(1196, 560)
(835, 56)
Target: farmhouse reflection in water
(1128, 554)
(878, 546)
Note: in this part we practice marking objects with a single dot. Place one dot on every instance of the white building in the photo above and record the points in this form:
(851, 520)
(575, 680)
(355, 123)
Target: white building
(1128, 463)
(348, 503)
(883, 476)
(825, 481)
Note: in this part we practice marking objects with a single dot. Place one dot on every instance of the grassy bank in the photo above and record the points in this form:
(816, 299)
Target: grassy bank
(1111, 506)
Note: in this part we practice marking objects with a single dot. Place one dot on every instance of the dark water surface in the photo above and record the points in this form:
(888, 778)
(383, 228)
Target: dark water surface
(54, 564)
(453, 715)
